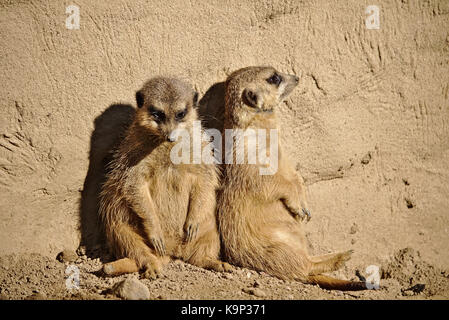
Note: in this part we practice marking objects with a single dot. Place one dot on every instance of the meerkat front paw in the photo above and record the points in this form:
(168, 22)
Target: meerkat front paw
(302, 214)
(307, 213)
(304, 207)
(191, 231)
(298, 212)
(158, 243)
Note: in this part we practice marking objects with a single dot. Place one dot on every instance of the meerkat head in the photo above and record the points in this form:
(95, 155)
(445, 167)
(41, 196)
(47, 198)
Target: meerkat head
(257, 90)
(166, 104)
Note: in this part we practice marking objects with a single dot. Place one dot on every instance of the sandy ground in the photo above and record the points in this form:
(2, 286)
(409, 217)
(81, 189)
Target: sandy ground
(367, 127)
(405, 276)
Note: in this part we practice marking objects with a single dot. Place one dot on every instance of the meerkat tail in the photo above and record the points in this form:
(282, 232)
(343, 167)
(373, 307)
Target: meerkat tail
(330, 283)
(120, 266)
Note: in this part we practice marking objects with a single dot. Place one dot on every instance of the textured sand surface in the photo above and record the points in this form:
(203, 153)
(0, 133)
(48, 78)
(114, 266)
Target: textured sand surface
(368, 126)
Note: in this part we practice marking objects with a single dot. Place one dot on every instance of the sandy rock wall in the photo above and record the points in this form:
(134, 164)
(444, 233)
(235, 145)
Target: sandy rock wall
(368, 127)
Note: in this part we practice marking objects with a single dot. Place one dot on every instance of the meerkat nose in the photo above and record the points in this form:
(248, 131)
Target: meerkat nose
(172, 136)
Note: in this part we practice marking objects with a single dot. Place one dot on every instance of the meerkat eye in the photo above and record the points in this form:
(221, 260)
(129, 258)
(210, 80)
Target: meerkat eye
(274, 79)
(180, 115)
(158, 115)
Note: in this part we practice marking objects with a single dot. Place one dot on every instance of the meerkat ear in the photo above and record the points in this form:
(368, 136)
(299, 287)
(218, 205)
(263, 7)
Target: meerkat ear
(195, 100)
(251, 98)
(139, 99)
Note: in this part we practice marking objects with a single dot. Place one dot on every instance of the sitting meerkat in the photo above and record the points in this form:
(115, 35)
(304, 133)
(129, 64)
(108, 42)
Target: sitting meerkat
(261, 216)
(151, 208)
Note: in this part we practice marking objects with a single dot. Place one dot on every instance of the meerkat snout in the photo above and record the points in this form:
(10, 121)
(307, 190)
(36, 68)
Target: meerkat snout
(288, 84)
(265, 92)
(172, 136)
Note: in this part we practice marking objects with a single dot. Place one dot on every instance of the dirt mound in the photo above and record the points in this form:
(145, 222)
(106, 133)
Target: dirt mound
(415, 275)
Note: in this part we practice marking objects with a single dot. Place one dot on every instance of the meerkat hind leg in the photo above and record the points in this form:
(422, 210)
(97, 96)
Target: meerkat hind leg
(134, 248)
(120, 266)
(329, 262)
(211, 264)
(205, 254)
(127, 265)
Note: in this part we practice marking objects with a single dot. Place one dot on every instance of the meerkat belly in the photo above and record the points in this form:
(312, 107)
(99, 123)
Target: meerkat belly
(170, 194)
(261, 220)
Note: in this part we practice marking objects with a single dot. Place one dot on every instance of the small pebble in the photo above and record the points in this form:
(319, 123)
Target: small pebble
(37, 296)
(408, 293)
(240, 271)
(81, 251)
(354, 229)
(131, 289)
(409, 202)
(228, 276)
(176, 288)
(255, 292)
(67, 256)
(366, 159)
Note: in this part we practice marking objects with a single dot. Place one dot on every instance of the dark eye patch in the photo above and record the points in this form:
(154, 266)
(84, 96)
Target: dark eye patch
(181, 114)
(275, 79)
(158, 116)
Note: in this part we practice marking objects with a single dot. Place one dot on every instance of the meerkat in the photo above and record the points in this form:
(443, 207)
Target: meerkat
(261, 217)
(151, 208)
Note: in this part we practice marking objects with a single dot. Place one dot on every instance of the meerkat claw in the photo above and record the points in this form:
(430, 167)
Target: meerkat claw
(301, 215)
(159, 246)
(307, 213)
(191, 232)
